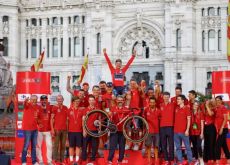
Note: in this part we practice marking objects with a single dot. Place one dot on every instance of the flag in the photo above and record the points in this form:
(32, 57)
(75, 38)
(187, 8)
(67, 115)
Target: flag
(83, 69)
(38, 63)
(228, 41)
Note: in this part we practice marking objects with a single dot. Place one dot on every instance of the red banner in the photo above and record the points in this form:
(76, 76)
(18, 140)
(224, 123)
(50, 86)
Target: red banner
(33, 83)
(27, 83)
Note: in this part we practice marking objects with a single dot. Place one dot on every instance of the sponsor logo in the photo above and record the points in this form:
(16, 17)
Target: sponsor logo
(31, 80)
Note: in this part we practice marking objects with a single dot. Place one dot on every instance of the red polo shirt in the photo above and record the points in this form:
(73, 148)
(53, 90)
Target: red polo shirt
(107, 99)
(75, 119)
(30, 117)
(209, 119)
(135, 99)
(167, 115)
(220, 111)
(152, 117)
(60, 117)
(196, 118)
(118, 114)
(44, 115)
(181, 115)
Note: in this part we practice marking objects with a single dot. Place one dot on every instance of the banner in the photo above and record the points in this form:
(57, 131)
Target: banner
(27, 84)
(221, 84)
(33, 83)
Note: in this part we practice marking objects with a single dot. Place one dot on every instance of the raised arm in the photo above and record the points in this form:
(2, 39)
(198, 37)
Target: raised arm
(108, 60)
(68, 88)
(129, 62)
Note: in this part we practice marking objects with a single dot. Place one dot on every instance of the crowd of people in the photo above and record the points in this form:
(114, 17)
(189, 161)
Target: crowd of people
(175, 123)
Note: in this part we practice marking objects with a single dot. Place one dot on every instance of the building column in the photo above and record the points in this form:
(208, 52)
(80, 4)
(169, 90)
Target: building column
(44, 39)
(65, 38)
(206, 42)
(223, 31)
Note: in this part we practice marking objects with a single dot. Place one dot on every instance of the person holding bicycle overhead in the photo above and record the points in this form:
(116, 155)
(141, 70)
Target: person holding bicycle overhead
(117, 114)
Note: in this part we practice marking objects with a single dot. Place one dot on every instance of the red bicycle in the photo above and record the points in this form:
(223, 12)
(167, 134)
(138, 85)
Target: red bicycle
(135, 128)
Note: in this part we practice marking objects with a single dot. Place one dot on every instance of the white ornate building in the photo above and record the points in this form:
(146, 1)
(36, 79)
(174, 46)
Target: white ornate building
(179, 42)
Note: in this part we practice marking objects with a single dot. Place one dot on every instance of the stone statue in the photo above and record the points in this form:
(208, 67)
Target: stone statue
(3, 65)
(8, 81)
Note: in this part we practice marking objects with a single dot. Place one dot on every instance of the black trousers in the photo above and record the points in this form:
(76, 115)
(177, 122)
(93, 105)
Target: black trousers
(209, 142)
(86, 141)
(167, 142)
(114, 139)
(196, 146)
(222, 143)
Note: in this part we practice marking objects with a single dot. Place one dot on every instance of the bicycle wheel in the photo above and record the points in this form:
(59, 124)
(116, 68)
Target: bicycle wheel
(135, 129)
(99, 120)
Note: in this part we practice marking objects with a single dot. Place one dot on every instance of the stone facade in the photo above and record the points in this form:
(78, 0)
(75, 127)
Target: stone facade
(177, 41)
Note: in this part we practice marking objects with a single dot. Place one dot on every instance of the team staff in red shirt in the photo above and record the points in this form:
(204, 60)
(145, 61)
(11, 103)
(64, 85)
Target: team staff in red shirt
(181, 129)
(178, 91)
(152, 114)
(209, 132)
(108, 99)
(97, 96)
(134, 103)
(29, 126)
(59, 128)
(118, 113)
(222, 129)
(167, 110)
(192, 97)
(118, 73)
(75, 114)
(196, 130)
(90, 124)
(44, 130)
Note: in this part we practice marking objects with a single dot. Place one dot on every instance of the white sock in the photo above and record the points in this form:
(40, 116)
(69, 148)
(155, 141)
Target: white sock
(71, 158)
(77, 158)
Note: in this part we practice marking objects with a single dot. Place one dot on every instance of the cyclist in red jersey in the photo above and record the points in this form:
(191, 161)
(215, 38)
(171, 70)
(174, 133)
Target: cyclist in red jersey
(118, 73)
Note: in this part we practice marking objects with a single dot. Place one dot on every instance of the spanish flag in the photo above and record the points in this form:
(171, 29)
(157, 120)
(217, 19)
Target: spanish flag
(83, 69)
(228, 46)
(38, 63)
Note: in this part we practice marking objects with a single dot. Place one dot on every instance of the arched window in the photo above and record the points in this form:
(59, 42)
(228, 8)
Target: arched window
(98, 43)
(76, 19)
(77, 48)
(211, 40)
(203, 41)
(202, 12)
(219, 40)
(5, 19)
(55, 47)
(55, 21)
(211, 11)
(178, 40)
(34, 22)
(33, 48)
